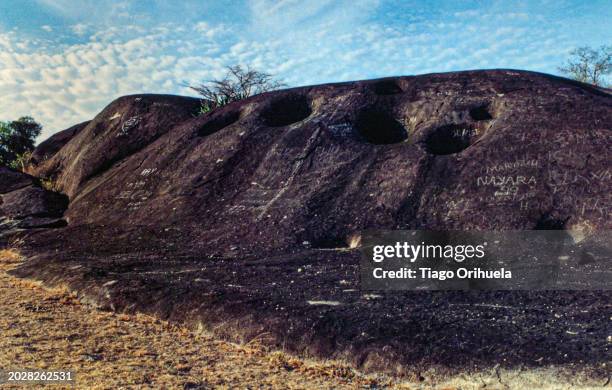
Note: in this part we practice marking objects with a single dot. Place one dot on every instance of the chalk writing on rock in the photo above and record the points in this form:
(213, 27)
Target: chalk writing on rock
(341, 129)
(559, 180)
(511, 165)
(595, 205)
(502, 181)
(148, 171)
(505, 185)
(128, 125)
(136, 191)
(137, 184)
(464, 132)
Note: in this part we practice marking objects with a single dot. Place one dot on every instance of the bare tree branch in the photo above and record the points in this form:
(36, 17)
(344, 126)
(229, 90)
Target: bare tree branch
(589, 65)
(237, 84)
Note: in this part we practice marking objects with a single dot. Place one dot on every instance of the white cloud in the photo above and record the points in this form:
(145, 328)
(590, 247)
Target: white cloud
(79, 29)
(73, 85)
(308, 43)
(91, 10)
(467, 14)
(47, 28)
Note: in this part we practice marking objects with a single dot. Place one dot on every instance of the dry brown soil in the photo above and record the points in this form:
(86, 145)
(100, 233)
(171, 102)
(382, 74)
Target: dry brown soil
(49, 329)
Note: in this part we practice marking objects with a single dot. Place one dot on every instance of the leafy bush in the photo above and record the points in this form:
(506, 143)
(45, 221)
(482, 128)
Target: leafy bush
(20, 161)
(17, 141)
(49, 184)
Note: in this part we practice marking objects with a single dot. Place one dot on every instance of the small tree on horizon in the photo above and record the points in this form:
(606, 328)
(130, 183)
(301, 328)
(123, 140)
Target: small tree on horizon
(17, 141)
(589, 65)
(237, 84)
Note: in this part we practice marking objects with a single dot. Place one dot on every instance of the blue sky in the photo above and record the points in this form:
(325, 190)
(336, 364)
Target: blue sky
(62, 61)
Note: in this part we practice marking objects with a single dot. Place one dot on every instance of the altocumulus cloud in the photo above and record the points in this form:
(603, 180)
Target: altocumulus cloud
(62, 87)
(64, 81)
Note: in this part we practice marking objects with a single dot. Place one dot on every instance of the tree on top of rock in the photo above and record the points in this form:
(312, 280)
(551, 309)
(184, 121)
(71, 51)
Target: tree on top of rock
(589, 65)
(237, 84)
(17, 141)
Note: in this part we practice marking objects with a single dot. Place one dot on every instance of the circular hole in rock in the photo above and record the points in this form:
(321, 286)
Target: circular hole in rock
(480, 113)
(218, 122)
(547, 222)
(380, 128)
(286, 111)
(450, 139)
(386, 87)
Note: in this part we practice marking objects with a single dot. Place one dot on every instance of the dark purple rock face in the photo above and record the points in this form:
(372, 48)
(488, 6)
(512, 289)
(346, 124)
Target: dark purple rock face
(239, 219)
(53, 144)
(25, 204)
(33, 201)
(11, 180)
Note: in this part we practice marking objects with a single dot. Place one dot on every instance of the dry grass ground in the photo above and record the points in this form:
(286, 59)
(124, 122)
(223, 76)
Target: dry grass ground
(49, 329)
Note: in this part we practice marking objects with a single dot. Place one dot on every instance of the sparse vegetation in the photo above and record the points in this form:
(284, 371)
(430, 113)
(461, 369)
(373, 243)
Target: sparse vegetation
(17, 141)
(589, 65)
(49, 328)
(48, 184)
(20, 161)
(237, 84)
(8, 256)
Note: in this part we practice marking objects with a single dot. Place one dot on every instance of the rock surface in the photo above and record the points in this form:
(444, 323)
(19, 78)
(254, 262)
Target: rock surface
(53, 144)
(24, 204)
(12, 180)
(238, 220)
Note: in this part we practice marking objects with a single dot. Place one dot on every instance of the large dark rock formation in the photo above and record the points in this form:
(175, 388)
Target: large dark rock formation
(25, 204)
(238, 220)
(53, 144)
